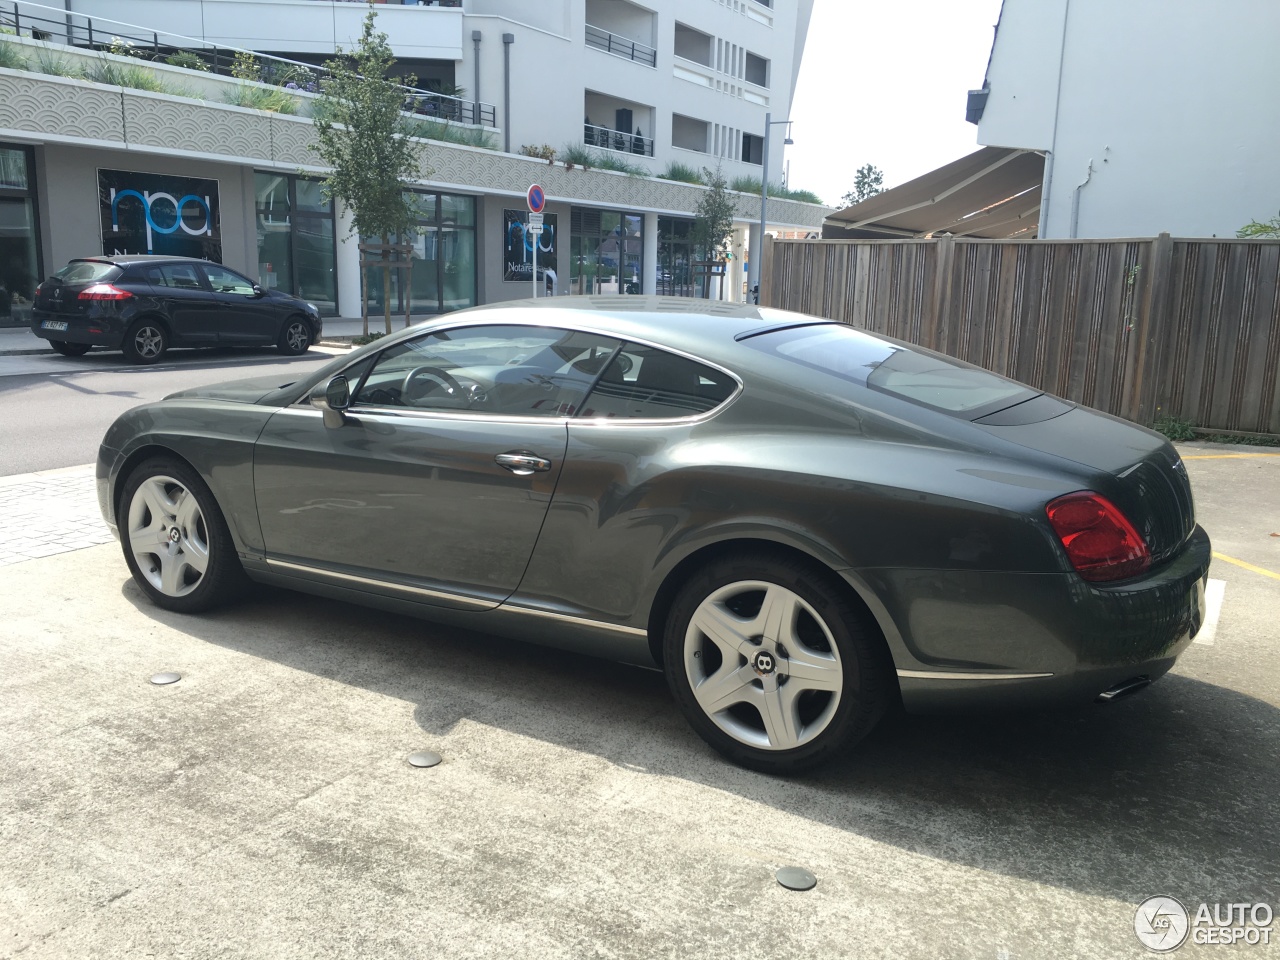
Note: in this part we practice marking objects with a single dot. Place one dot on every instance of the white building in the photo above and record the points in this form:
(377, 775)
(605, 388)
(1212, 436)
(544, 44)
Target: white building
(660, 81)
(1152, 115)
(646, 86)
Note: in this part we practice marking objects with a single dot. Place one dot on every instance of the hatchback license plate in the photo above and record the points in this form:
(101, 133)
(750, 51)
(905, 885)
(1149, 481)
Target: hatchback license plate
(54, 325)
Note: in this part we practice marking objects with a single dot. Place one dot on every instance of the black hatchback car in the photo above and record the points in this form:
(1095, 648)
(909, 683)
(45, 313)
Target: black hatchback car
(144, 305)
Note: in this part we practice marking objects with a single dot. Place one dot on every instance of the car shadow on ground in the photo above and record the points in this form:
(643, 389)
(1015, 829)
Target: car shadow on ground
(1173, 791)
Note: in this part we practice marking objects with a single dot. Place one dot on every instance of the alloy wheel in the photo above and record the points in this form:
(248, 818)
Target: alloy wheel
(297, 337)
(168, 536)
(762, 665)
(148, 342)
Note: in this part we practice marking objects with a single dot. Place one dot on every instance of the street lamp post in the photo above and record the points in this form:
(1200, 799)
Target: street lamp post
(757, 256)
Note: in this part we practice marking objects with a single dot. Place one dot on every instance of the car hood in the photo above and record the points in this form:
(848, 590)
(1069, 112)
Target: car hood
(249, 390)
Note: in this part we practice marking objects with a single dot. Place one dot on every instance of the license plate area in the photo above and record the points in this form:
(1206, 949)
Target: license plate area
(54, 325)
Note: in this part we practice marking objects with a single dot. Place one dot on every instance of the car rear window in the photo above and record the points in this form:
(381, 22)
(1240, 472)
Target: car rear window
(911, 373)
(88, 271)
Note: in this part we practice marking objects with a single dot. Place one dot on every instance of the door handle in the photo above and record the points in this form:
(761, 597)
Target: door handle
(522, 464)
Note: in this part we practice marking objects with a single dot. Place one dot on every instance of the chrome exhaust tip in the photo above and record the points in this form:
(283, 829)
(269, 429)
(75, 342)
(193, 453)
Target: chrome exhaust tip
(1125, 688)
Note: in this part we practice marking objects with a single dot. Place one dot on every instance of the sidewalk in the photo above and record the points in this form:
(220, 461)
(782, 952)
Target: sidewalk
(16, 341)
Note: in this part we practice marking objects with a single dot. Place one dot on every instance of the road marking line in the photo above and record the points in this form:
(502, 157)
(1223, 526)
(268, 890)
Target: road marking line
(1228, 456)
(1213, 593)
(1248, 566)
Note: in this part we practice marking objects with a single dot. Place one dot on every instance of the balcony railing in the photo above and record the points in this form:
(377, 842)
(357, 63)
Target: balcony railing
(607, 139)
(74, 29)
(621, 46)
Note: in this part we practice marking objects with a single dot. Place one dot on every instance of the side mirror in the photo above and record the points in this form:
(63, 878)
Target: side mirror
(257, 290)
(331, 399)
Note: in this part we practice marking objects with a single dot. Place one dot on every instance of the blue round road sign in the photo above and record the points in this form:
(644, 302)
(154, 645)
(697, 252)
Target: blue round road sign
(537, 199)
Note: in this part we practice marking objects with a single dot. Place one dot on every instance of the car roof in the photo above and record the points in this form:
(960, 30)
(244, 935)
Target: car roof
(706, 327)
(124, 259)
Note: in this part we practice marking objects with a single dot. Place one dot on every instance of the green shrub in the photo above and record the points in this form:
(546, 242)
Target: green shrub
(54, 64)
(445, 132)
(1175, 428)
(682, 173)
(12, 57)
(271, 99)
(187, 60)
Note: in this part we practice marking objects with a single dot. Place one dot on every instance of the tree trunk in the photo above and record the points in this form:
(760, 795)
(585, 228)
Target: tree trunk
(386, 282)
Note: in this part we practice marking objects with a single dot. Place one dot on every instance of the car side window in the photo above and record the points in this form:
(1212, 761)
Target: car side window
(503, 370)
(224, 281)
(644, 383)
(183, 276)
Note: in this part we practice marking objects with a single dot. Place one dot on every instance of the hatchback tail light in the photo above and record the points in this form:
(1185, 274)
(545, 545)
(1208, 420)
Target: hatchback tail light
(103, 291)
(1100, 541)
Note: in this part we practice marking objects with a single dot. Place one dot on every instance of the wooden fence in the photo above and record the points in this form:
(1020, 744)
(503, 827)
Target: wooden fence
(1139, 328)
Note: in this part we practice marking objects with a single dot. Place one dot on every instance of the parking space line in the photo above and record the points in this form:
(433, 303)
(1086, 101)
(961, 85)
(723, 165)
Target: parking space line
(1214, 591)
(1228, 456)
(1247, 566)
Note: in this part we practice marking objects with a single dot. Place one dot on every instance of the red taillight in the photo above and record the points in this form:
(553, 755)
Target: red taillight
(103, 291)
(1100, 541)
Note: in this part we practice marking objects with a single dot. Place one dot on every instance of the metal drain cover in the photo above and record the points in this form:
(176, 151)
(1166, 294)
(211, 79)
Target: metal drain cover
(424, 758)
(796, 878)
(160, 679)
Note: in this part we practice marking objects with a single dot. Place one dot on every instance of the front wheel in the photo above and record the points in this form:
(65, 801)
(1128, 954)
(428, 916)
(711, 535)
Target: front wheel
(295, 338)
(175, 539)
(773, 665)
(69, 349)
(145, 342)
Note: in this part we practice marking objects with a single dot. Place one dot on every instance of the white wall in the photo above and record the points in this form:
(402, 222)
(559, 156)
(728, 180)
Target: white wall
(1175, 102)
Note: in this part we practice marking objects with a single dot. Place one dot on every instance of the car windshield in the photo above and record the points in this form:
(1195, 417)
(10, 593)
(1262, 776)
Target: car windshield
(920, 376)
(88, 271)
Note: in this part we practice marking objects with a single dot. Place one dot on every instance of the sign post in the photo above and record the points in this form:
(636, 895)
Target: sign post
(537, 203)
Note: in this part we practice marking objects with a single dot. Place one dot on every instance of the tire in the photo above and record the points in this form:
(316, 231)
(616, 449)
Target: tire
(773, 665)
(146, 341)
(295, 337)
(175, 539)
(69, 349)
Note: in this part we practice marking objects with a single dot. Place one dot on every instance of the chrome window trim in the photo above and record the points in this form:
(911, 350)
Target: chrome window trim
(382, 584)
(575, 328)
(967, 675)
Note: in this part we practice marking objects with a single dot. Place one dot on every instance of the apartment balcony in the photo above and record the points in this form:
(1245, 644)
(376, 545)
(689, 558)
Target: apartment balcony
(621, 46)
(606, 139)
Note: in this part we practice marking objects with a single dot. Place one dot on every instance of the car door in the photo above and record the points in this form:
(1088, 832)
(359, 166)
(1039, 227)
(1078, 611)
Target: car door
(192, 311)
(435, 486)
(247, 317)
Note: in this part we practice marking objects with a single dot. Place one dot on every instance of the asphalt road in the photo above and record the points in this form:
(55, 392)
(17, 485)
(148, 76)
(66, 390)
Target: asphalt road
(56, 409)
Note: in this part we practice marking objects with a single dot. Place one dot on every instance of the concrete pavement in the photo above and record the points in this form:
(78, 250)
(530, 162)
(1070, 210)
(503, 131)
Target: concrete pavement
(262, 806)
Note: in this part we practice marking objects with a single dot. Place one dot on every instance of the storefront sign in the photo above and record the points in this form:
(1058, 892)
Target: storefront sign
(155, 213)
(519, 244)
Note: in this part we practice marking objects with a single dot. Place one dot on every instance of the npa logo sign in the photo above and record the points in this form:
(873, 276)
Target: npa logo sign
(158, 213)
(519, 246)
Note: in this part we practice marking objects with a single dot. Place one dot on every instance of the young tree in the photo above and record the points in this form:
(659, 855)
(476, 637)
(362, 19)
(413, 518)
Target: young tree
(365, 137)
(866, 183)
(1257, 229)
(713, 221)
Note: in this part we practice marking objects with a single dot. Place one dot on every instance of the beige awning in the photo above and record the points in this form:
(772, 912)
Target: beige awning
(992, 193)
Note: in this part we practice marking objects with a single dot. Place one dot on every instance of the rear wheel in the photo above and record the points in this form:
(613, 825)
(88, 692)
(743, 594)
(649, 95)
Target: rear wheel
(175, 539)
(69, 349)
(772, 664)
(295, 338)
(146, 341)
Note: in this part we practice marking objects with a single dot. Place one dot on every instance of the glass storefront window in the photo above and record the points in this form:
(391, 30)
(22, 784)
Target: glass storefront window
(20, 268)
(443, 275)
(676, 256)
(606, 252)
(296, 247)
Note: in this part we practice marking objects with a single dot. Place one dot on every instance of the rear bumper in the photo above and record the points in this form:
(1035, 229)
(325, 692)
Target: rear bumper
(96, 331)
(989, 640)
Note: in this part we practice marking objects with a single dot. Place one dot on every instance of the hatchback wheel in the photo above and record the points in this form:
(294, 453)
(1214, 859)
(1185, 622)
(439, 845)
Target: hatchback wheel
(295, 338)
(773, 665)
(175, 539)
(145, 342)
(69, 349)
